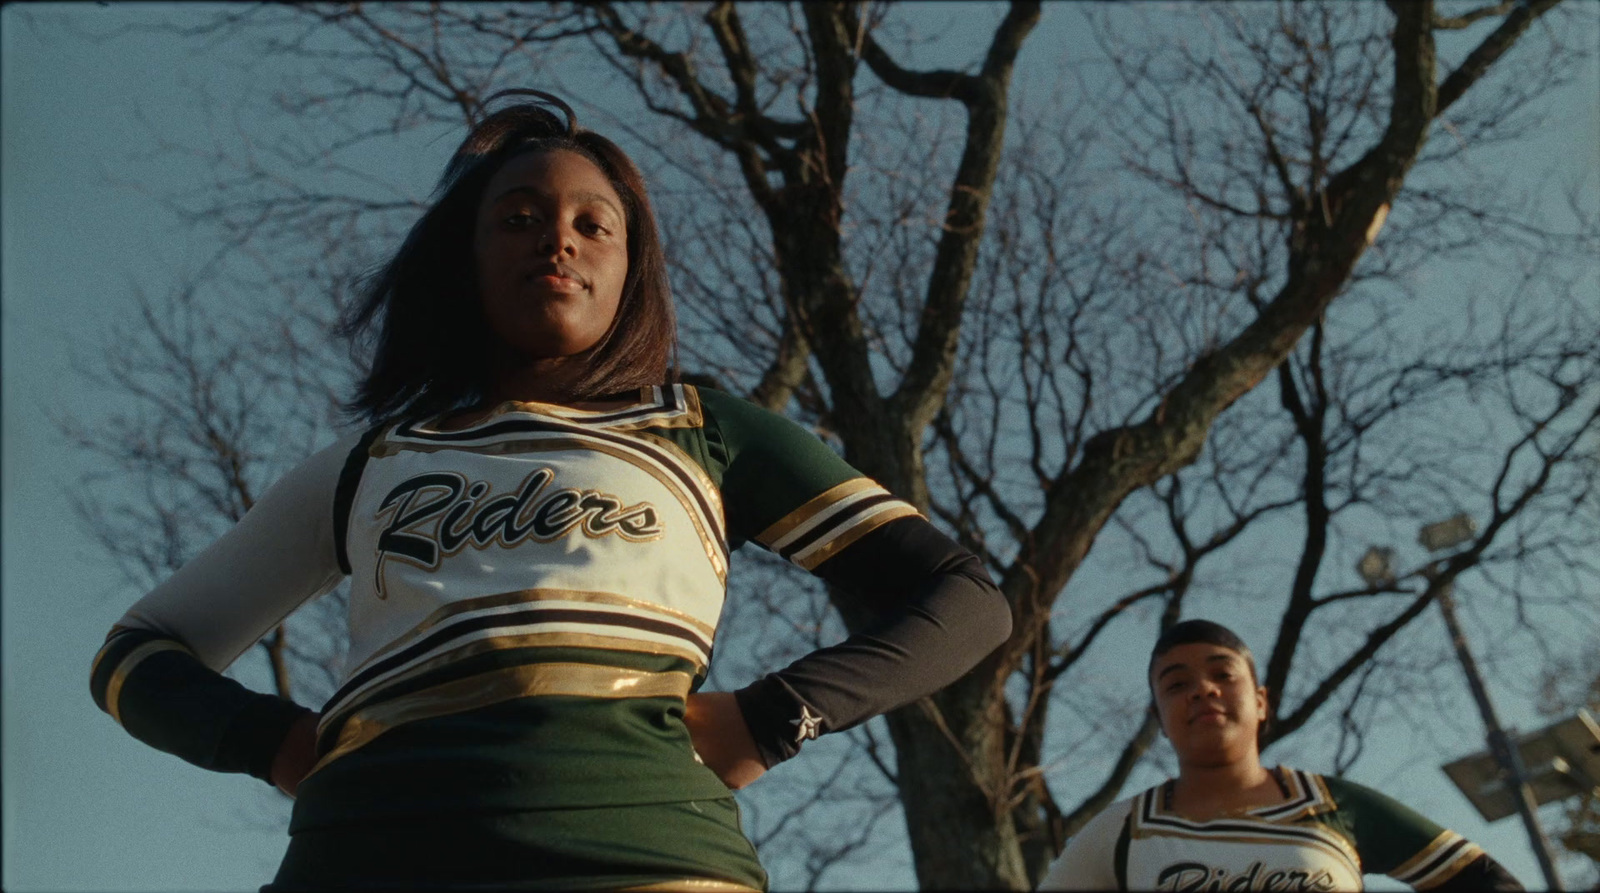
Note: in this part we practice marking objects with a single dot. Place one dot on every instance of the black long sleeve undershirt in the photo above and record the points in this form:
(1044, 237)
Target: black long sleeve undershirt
(1481, 875)
(171, 701)
(937, 615)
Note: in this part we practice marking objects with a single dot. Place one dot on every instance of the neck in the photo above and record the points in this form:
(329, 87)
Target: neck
(1202, 787)
(539, 381)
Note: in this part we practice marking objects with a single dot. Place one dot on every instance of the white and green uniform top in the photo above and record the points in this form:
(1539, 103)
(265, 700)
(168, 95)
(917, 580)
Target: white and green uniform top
(1324, 836)
(532, 598)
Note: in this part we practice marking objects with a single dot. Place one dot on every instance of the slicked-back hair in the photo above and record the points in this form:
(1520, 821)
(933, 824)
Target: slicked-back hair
(1203, 632)
(419, 316)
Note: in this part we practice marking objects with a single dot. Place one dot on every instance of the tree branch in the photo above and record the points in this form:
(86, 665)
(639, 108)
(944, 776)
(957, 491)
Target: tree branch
(1455, 23)
(1322, 255)
(1491, 49)
(1116, 778)
(922, 390)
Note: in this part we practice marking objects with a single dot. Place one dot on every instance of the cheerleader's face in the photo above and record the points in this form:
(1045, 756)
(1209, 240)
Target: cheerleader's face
(1209, 703)
(551, 248)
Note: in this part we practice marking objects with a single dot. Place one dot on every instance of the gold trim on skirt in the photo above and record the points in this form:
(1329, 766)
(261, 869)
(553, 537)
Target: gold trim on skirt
(495, 686)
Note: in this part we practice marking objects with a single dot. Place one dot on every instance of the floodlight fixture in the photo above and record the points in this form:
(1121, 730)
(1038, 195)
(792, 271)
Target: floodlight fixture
(1376, 567)
(1452, 531)
(1562, 760)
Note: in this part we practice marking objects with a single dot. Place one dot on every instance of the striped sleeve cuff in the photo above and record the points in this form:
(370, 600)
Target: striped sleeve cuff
(831, 521)
(156, 689)
(1439, 861)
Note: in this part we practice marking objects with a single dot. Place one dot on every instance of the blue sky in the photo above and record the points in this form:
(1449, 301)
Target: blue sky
(85, 806)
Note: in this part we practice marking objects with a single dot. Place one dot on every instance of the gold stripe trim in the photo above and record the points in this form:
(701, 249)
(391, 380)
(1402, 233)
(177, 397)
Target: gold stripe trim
(101, 654)
(1317, 798)
(692, 469)
(94, 668)
(650, 399)
(690, 885)
(1297, 792)
(1411, 866)
(496, 686)
(530, 596)
(1450, 869)
(1444, 839)
(566, 440)
(647, 400)
(781, 528)
(865, 526)
(652, 403)
(500, 643)
(135, 657)
(1324, 802)
(688, 415)
(379, 447)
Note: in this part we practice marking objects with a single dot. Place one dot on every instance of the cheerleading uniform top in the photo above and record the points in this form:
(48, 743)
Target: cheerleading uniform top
(533, 597)
(1326, 834)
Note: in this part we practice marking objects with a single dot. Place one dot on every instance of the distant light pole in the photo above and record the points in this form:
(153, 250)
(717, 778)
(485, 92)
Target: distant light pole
(1562, 759)
(1376, 568)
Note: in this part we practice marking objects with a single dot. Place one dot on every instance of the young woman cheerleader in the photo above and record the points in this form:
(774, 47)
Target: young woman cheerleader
(536, 524)
(1228, 823)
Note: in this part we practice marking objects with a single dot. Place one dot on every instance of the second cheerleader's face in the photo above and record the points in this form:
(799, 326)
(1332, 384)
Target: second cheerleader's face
(551, 249)
(1208, 701)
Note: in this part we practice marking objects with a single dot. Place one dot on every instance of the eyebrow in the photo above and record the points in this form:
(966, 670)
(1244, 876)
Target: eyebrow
(1170, 667)
(582, 197)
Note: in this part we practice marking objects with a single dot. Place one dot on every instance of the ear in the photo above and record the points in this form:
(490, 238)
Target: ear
(1261, 702)
(1155, 714)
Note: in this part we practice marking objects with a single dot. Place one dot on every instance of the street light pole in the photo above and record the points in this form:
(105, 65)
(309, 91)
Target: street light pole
(1500, 744)
(1376, 567)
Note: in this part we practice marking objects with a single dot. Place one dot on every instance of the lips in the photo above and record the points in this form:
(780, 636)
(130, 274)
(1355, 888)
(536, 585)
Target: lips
(556, 275)
(1205, 714)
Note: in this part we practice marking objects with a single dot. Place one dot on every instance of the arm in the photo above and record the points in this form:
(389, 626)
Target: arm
(937, 615)
(1395, 840)
(932, 611)
(159, 673)
(1482, 873)
(1089, 860)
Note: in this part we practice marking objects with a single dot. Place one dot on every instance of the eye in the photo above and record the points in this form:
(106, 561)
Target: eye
(518, 219)
(590, 226)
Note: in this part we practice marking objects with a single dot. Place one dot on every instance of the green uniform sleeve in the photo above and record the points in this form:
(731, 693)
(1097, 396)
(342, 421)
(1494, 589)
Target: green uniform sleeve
(1394, 840)
(785, 489)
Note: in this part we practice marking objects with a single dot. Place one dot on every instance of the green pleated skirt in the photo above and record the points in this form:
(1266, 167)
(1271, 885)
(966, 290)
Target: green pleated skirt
(689, 845)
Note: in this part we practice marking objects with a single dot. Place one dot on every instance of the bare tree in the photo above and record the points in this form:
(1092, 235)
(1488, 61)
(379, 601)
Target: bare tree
(1042, 321)
(215, 408)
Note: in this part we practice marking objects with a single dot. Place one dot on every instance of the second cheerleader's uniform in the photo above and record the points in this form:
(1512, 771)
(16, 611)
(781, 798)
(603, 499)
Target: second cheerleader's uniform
(532, 599)
(1326, 834)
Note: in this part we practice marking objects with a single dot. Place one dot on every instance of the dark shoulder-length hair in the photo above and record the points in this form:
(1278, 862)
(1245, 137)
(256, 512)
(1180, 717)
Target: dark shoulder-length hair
(419, 317)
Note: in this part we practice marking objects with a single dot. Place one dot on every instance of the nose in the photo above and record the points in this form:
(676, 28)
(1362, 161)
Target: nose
(1206, 688)
(557, 239)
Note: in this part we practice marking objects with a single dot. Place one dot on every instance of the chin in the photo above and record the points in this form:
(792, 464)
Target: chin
(535, 348)
(1222, 746)
(1203, 760)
